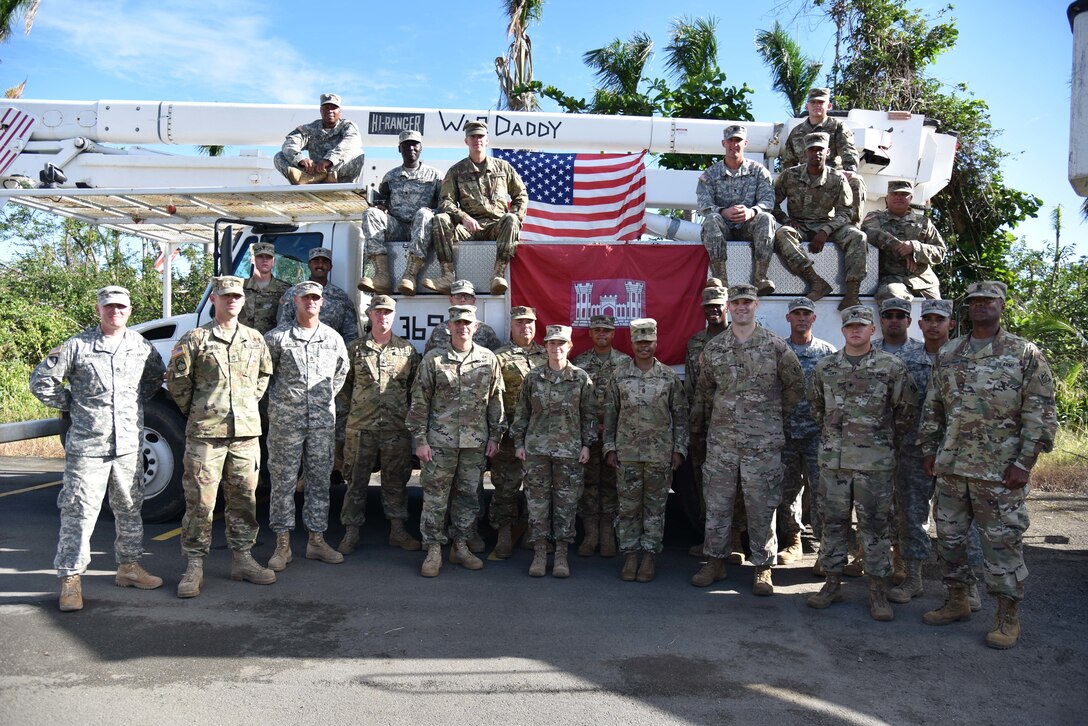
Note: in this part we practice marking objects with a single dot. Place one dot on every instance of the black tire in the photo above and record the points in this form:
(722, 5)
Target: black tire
(161, 450)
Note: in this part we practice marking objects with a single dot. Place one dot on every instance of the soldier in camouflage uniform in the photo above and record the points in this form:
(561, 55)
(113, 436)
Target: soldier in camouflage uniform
(598, 506)
(865, 402)
(646, 440)
(910, 246)
(263, 290)
(217, 374)
(818, 210)
(482, 198)
(456, 418)
(749, 380)
(989, 414)
(553, 426)
(337, 308)
(516, 359)
(735, 197)
(110, 372)
(375, 396)
(801, 451)
(333, 144)
(462, 292)
(842, 154)
(310, 364)
(403, 210)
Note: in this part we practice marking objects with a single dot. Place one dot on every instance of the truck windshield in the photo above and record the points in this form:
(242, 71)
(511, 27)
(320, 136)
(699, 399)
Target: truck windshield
(292, 253)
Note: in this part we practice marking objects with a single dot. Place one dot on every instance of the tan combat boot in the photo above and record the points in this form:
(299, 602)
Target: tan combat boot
(763, 586)
(442, 284)
(955, 608)
(504, 545)
(298, 176)
(282, 556)
(318, 549)
(433, 563)
(973, 599)
(720, 272)
(818, 287)
(350, 542)
(899, 567)
(499, 285)
(912, 586)
(399, 537)
(130, 574)
(736, 547)
(71, 594)
(380, 282)
(331, 177)
(462, 555)
(607, 537)
(244, 567)
(1006, 630)
(407, 284)
(829, 593)
(539, 565)
(647, 570)
(591, 525)
(630, 566)
(560, 567)
(853, 288)
(792, 552)
(193, 579)
(708, 574)
(879, 608)
(764, 285)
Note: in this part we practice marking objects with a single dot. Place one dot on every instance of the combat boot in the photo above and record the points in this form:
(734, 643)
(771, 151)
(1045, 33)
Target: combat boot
(955, 608)
(899, 567)
(607, 537)
(318, 549)
(504, 546)
(853, 288)
(71, 594)
(331, 177)
(433, 563)
(379, 283)
(708, 574)
(879, 608)
(399, 536)
(539, 564)
(973, 599)
(462, 555)
(763, 586)
(589, 541)
(696, 550)
(818, 287)
(282, 556)
(647, 570)
(130, 574)
(792, 552)
(829, 593)
(630, 566)
(298, 176)
(764, 285)
(193, 579)
(499, 285)
(442, 284)
(912, 586)
(736, 547)
(350, 542)
(244, 567)
(476, 543)
(1006, 630)
(407, 284)
(560, 567)
(721, 272)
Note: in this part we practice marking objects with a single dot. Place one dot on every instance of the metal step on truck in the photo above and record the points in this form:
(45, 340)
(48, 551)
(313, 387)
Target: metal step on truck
(104, 162)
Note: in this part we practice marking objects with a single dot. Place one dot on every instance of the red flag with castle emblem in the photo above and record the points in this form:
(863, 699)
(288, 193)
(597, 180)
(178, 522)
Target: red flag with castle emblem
(569, 283)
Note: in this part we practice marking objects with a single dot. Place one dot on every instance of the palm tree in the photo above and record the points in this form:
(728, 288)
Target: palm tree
(792, 73)
(10, 10)
(693, 47)
(618, 67)
(515, 69)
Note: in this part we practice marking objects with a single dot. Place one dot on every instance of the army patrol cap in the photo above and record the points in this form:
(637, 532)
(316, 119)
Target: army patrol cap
(715, 282)
(321, 252)
(522, 311)
(735, 131)
(263, 248)
(714, 296)
(817, 138)
(743, 291)
(801, 303)
(409, 136)
(114, 295)
(987, 288)
(857, 314)
(462, 287)
(816, 94)
(309, 287)
(462, 312)
(937, 307)
(900, 185)
(895, 303)
(558, 332)
(333, 98)
(228, 285)
(606, 322)
(383, 302)
(643, 329)
(476, 128)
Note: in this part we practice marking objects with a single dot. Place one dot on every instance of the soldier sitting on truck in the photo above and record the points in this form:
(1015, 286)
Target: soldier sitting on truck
(909, 245)
(333, 144)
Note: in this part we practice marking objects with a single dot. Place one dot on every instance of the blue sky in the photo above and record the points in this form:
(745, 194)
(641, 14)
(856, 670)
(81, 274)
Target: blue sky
(429, 54)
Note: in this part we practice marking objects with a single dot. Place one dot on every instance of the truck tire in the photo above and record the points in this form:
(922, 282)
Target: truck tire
(162, 449)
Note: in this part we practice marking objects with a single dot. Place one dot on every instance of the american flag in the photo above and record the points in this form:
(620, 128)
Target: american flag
(588, 197)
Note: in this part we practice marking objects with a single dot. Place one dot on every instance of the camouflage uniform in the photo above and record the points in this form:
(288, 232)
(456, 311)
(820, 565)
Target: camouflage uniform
(720, 187)
(342, 145)
(984, 411)
(411, 196)
(842, 154)
(885, 231)
(556, 416)
(376, 398)
(338, 311)
(645, 423)
(456, 408)
(599, 490)
(108, 382)
(217, 376)
(744, 391)
(484, 336)
(309, 369)
(480, 191)
(508, 471)
(863, 411)
(815, 205)
(259, 311)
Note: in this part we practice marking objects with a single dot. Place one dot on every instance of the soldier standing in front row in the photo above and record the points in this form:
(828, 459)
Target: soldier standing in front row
(909, 243)
(337, 308)
(989, 414)
(309, 365)
(110, 371)
(217, 374)
(263, 290)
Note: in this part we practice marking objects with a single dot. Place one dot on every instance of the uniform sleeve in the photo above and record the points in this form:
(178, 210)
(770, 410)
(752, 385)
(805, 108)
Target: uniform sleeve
(382, 195)
(491, 340)
(689, 374)
(587, 404)
(519, 421)
(702, 405)
(704, 197)
(179, 373)
(815, 395)
(1038, 412)
(519, 195)
(351, 325)
(264, 372)
(904, 404)
(611, 415)
(789, 156)
(449, 195)
(496, 415)
(344, 393)
(294, 144)
(848, 150)
(764, 190)
(348, 143)
(285, 313)
(343, 366)
(875, 234)
(47, 380)
(154, 369)
(678, 404)
(931, 249)
(792, 377)
(843, 207)
(420, 409)
(780, 196)
(931, 429)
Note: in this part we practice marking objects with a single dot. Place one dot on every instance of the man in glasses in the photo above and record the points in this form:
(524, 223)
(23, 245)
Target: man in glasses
(910, 246)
